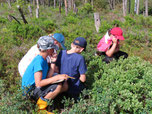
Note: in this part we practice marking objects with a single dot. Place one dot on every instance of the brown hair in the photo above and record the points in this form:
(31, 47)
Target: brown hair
(109, 31)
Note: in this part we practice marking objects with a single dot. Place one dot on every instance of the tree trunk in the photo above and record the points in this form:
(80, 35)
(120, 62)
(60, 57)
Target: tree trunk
(30, 10)
(22, 15)
(31, 1)
(124, 7)
(92, 3)
(1, 4)
(61, 3)
(42, 2)
(75, 9)
(97, 21)
(9, 3)
(37, 3)
(10, 18)
(113, 4)
(146, 7)
(49, 3)
(86, 1)
(54, 3)
(72, 3)
(34, 2)
(60, 7)
(137, 7)
(69, 4)
(129, 5)
(110, 4)
(66, 7)
(37, 12)
(37, 9)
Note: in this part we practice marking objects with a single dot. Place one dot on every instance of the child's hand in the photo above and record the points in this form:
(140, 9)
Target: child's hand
(63, 76)
(114, 40)
(53, 57)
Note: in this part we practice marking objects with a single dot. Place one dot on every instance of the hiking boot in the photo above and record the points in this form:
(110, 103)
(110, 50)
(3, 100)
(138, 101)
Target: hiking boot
(42, 105)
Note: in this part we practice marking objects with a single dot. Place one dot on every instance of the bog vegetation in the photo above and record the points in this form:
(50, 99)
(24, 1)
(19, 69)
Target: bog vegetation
(118, 87)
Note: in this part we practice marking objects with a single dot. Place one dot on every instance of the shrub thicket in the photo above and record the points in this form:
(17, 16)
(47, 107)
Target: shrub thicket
(118, 87)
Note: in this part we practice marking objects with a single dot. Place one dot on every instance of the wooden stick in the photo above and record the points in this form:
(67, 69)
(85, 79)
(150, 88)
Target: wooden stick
(22, 15)
(70, 77)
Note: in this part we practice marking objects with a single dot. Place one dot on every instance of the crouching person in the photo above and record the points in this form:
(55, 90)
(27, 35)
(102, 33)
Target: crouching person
(38, 75)
(72, 63)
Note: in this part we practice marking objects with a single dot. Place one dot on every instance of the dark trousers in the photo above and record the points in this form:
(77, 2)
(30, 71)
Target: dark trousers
(116, 56)
(35, 93)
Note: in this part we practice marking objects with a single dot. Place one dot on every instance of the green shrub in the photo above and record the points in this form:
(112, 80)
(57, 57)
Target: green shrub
(101, 4)
(118, 87)
(48, 26)
(87, 8)
(26, 31)
(125, 85)
(116, 23)
(3, 20)
(129, 21)
(145, 21)
(16, 103)
(71, 20)
(105, 26)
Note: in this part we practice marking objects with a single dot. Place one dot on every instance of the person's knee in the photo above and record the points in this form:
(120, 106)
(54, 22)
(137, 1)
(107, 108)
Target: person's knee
(58, 89)
(107, 59)
(125, 55)
(65, 87)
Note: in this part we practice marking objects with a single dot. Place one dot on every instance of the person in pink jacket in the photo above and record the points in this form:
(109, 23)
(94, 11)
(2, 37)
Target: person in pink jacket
(109, 45)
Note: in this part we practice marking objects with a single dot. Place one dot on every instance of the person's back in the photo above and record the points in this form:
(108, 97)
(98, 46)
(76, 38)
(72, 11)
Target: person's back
(38, 63)
(27, 59)
(72, 63)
